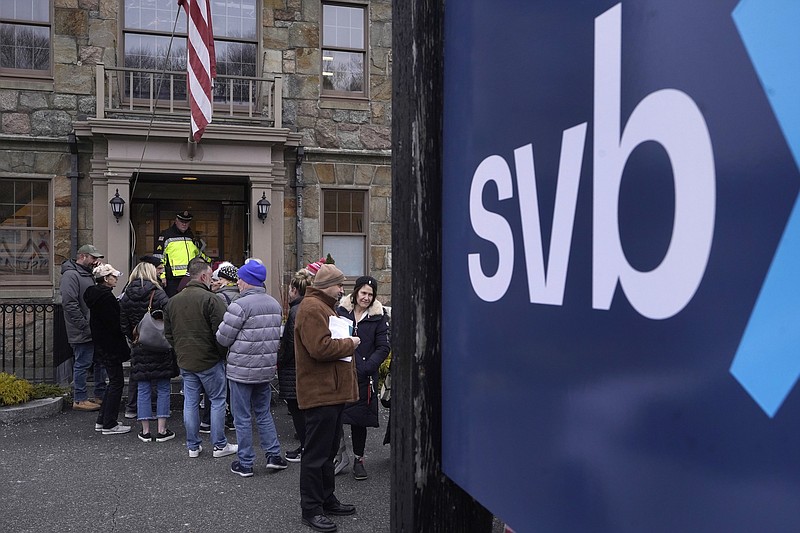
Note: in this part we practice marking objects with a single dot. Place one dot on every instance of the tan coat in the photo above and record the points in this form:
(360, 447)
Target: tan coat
(322, 379)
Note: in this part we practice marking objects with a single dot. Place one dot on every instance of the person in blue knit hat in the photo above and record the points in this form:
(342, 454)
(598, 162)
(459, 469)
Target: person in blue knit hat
(251, 329)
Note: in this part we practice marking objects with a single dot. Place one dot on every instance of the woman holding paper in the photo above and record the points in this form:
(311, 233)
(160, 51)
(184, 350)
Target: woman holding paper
(371, 325)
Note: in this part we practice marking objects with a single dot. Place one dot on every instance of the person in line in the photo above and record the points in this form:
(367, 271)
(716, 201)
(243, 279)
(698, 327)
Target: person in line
(76, 277)
(110, 347)
(371, 325)
(326, 381)
(286, 367)
(190, 325)
(176, 246)
(251, 329)
(133, 387)
(151, 368)
(226, 286)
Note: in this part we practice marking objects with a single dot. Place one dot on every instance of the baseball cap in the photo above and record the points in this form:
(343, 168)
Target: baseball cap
(89, 249)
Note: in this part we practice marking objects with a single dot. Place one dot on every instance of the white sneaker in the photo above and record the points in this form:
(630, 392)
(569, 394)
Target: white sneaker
(117, 430)
(229, 449)
(195, 453)
(98, 427)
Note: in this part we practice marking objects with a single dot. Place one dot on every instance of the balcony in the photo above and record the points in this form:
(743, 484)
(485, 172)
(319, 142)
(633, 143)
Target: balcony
(130, 93)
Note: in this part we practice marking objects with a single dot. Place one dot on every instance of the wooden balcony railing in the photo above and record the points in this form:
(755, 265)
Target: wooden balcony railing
(127, 92)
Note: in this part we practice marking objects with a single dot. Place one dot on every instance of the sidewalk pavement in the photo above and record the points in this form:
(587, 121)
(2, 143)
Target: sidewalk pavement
(59, 474)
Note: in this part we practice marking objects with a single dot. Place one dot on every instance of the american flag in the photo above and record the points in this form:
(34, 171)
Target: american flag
(202, 65)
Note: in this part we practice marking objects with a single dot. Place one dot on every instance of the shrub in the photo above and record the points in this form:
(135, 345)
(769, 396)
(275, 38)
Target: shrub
(47, 390)
(14, 390)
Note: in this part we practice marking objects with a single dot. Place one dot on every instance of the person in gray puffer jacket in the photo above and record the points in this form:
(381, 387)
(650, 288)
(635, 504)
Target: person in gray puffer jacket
(251, 329)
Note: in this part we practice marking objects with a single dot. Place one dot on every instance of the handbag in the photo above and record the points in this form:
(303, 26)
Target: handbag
(386, 391)
(149, 333)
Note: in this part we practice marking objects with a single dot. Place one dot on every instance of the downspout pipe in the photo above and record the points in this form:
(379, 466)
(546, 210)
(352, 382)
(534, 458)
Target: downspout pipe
(299, 185)
(74, 176)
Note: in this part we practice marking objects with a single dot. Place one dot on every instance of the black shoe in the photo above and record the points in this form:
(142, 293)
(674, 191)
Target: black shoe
(144, 437)
(320, 522)
(294, 456)
(339, 509)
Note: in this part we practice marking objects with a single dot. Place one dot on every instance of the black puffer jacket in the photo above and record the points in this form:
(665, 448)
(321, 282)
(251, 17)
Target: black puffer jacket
(373, 330)
(104, 320)
(145, 364)
(287, 374)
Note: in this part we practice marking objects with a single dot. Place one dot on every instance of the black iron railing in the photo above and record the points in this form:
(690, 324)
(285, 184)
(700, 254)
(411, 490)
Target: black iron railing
(33, 341)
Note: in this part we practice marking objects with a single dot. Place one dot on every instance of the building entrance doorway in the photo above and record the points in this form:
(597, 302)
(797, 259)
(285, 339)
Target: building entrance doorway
(220, 215)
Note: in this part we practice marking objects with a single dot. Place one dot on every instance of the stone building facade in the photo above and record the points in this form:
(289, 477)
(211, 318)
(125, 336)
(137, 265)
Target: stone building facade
(93, 105)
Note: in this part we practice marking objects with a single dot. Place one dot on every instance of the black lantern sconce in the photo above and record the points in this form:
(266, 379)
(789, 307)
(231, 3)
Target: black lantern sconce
(117, 206)
(263, 207)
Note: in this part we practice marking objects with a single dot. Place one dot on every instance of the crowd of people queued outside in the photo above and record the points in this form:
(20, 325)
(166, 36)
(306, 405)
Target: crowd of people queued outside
(220, 330)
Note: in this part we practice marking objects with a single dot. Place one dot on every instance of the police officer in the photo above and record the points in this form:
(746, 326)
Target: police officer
(176, 247)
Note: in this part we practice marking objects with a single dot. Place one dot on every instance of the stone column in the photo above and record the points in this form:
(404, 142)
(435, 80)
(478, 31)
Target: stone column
(263, 233)
(112, 237)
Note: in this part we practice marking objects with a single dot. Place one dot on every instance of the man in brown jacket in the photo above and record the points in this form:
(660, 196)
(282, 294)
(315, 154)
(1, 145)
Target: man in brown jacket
(325, 382)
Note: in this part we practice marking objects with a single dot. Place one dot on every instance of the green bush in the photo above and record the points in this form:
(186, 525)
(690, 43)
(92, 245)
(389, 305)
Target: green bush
(14, 390)
(48, 390)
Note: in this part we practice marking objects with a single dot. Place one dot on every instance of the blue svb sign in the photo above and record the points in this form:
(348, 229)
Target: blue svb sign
(621, 318)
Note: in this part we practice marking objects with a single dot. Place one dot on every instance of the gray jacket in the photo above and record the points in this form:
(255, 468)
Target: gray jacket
(251, 328)
(75, 279)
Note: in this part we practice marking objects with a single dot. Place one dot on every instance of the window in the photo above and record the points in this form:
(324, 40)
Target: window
(344, 229)
(148, 28)
(25, 37)
(25, 235)
(344, 49)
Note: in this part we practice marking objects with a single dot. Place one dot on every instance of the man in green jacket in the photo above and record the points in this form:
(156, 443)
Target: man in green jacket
(190, 325)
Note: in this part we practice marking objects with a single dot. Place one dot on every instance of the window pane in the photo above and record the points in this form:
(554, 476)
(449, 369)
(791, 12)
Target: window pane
(329, 223)
(24, 47)
(235, 59)
(154, 15)
(149, 52)
(235, 18)
(343, 27)
(348, 251)
(342, 71)
(24, 252)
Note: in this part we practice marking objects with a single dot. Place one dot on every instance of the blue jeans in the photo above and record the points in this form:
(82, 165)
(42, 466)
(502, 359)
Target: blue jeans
(144, 408)
(257, 395)
(213, 381)
(84, 353)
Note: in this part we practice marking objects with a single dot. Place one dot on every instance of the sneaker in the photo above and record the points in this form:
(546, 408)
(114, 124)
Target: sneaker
(145, 437)
(228, 449)
(85, 405)
(130, 414)
(116, 430)
(244, 471)
(164, 437)
(294, 456)
(98, 427)
(276, 462)
(205, 428)
(195, 453)
(359, 472)
(340, 463)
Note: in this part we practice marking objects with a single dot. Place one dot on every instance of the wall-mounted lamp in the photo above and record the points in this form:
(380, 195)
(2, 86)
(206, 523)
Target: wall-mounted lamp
(263, 207)
(117, 206)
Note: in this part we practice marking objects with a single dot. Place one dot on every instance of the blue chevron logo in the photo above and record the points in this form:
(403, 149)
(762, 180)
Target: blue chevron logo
(767, 363)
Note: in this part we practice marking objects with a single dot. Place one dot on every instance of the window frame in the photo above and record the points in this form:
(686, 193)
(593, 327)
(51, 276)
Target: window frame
(32, 74)
(333, 94)
(183, 103)
(363, 234)
(10, 282)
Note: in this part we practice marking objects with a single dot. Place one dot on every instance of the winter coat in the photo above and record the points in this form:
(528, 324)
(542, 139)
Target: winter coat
(190, 325)
(110, 345)
(75, 279)
(373, 330)
(251, 329)
(287, 375)
(146, 364)
(228, 293)
(322, 377)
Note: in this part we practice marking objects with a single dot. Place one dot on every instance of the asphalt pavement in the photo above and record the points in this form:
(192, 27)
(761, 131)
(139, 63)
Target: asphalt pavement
(58, 474)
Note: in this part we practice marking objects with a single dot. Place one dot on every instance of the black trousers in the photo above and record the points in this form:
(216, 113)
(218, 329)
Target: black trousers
(109, 411)
(317, 482)
(298, 419)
